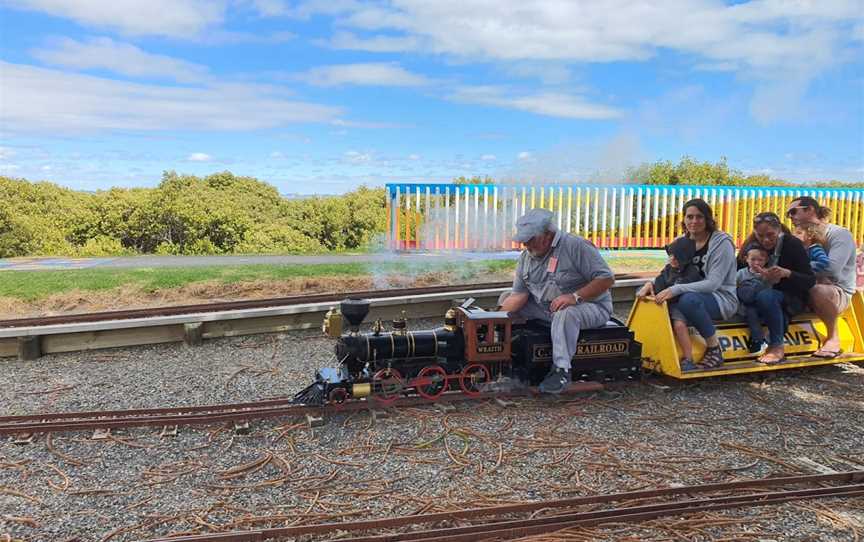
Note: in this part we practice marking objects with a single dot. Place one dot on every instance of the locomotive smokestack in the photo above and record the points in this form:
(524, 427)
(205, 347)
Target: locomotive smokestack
(354, 310)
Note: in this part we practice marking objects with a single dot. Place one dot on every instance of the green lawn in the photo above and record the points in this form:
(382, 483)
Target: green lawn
(34, 285)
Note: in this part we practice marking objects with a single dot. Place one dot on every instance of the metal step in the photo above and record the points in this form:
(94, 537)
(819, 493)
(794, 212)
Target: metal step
(792, 362)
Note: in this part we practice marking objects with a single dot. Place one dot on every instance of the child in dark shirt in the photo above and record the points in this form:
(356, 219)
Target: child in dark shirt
(749, 283)
(679, 270)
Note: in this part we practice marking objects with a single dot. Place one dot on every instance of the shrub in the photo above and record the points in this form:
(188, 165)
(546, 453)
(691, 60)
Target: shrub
(102, 245)
(277, 239)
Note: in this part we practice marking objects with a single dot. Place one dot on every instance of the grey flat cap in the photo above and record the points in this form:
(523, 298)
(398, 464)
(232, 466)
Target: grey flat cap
(532, 224)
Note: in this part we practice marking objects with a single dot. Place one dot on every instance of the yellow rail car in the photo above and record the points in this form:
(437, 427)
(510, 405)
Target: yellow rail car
(651, 326)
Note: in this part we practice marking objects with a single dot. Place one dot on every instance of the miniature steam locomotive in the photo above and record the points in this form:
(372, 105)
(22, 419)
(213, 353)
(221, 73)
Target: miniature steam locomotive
(475, 352)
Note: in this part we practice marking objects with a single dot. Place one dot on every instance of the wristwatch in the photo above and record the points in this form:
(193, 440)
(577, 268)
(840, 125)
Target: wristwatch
(577, 298)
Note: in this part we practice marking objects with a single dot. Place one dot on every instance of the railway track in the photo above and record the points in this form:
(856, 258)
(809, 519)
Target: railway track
(500, 523)
(30, 338)
(201, 415)
(256, 304)
(241, 305)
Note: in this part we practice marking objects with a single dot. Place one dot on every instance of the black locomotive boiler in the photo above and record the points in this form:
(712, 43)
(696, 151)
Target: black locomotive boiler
(474, 351)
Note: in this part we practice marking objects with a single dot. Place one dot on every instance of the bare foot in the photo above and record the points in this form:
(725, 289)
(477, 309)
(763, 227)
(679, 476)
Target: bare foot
(829, 350)
(774, 354)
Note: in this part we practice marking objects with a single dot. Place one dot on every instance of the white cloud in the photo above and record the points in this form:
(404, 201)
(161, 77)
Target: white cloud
(9, 167)
(546, 103)
(488, 157)
(775, 101)
(356, 157)
(370, 74)
(46, 168)
(366, 124)
(199, 157)
(277, 155)
(671, 113)
(43, 100)
(377, 44)
(603, 160)
(550, 73)
(601, 31)
(6, 153)
(762, 40)
(271, 8)
(123, 58)
(176, 18)
(413, 156)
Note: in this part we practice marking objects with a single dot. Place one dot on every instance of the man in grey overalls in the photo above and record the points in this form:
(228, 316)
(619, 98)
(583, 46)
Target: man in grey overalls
(562, 279)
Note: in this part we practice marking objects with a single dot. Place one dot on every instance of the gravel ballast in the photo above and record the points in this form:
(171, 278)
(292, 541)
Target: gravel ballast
(136, 484)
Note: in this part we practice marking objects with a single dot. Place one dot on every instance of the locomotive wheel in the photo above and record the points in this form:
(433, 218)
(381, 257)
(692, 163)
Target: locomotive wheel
(472, 377)
(338, 396)
(431, 382)
(387, 385)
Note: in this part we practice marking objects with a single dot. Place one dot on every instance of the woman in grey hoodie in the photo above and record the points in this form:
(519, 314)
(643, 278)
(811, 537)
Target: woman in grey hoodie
(713, 297)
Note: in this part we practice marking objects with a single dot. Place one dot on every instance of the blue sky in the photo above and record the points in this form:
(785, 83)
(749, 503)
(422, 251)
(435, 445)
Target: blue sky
(322, 96)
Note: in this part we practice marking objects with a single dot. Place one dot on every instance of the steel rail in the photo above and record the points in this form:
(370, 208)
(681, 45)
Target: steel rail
(518, 529)
(547, 523)
(29, 342)
(200, 415)
(255, 304)
(95, 414)
(238, 305)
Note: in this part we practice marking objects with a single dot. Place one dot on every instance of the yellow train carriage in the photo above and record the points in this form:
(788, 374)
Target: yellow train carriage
(651, 326)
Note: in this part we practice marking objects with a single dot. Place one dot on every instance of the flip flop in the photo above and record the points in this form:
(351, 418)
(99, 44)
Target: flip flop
(826, 354)
(771, 361)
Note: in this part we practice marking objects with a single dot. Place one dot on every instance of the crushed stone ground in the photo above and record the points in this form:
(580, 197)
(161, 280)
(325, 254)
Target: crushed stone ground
(138, 485)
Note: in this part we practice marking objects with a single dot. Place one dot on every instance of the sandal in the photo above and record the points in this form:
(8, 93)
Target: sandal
(771, 359)
(713, 357)
(826, 354)
(687, 365)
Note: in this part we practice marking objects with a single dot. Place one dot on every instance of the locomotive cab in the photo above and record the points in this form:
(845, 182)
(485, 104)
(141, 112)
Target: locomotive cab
(487, 335)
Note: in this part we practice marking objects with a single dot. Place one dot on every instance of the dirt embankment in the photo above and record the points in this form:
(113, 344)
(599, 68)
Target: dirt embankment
(131, 296)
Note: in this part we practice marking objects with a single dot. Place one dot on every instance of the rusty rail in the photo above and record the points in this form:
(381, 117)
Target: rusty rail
(28, 339)
(561, 515)
(238, 305)
(256, 304)
(201, 415)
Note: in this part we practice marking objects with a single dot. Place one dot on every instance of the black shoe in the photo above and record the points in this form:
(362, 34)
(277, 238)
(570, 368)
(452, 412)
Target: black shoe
(756, 347)
(556, 381)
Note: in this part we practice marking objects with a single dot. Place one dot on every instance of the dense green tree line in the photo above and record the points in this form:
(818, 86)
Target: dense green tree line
(693, 172)
(217, 214)
(227, 214)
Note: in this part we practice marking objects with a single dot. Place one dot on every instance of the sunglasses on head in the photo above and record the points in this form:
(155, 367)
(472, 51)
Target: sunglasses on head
(769, 219)
(794, 211)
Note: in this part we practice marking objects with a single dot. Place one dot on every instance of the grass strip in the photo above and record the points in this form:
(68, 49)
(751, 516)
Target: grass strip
(35, 285)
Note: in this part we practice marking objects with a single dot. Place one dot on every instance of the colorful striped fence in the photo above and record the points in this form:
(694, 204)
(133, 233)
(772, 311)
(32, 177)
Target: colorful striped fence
(482, 217)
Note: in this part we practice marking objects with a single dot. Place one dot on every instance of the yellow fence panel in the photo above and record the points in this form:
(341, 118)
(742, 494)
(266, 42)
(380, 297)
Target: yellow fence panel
(483, 217)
